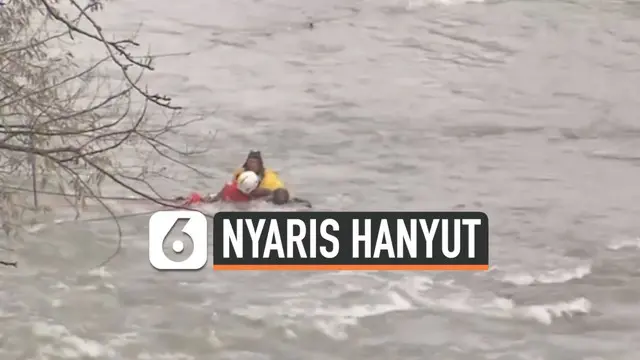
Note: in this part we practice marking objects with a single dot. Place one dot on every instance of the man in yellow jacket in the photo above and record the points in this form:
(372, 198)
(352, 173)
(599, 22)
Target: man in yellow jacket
(270, 186)
(269, 179)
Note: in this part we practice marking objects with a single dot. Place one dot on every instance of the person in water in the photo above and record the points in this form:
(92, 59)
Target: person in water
(269, 187)
(238, 190)
(269, 179)
(281, 197)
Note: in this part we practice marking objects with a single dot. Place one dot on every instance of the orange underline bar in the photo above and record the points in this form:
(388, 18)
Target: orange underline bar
(362, 267)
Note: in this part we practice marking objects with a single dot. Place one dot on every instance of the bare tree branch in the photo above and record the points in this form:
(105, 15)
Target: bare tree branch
(66, 121)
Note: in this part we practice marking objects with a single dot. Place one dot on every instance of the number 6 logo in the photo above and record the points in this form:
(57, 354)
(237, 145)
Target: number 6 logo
(161, 223)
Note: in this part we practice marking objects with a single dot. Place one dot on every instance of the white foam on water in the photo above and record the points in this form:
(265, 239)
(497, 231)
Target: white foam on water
(124, 339)
(327, 313)
(240, 354)
(61, 286)
(506, 309)
(331, 320)
(348, 280)
(164, 356)
(458, 2)
(100, 272)
(66, 344)
(547, 313)
(334, 321)
(417, 4)
(555, 276)
(35, 228)
(214, 340)
(461, 300)
(61, 343)
(624, 244)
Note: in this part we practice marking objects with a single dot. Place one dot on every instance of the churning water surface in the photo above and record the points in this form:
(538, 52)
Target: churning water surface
(526, 110)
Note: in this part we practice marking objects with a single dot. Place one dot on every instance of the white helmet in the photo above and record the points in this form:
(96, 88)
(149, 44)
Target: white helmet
(248, 181)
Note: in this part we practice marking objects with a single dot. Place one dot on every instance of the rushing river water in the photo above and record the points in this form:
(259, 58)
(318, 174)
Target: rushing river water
(523, 109)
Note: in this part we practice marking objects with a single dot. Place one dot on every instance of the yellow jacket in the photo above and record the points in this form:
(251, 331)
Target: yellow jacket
(270, 180)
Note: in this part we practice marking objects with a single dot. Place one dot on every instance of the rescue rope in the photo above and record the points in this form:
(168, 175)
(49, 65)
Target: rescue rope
(121, 198)
(119, 217)
(103, 218)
